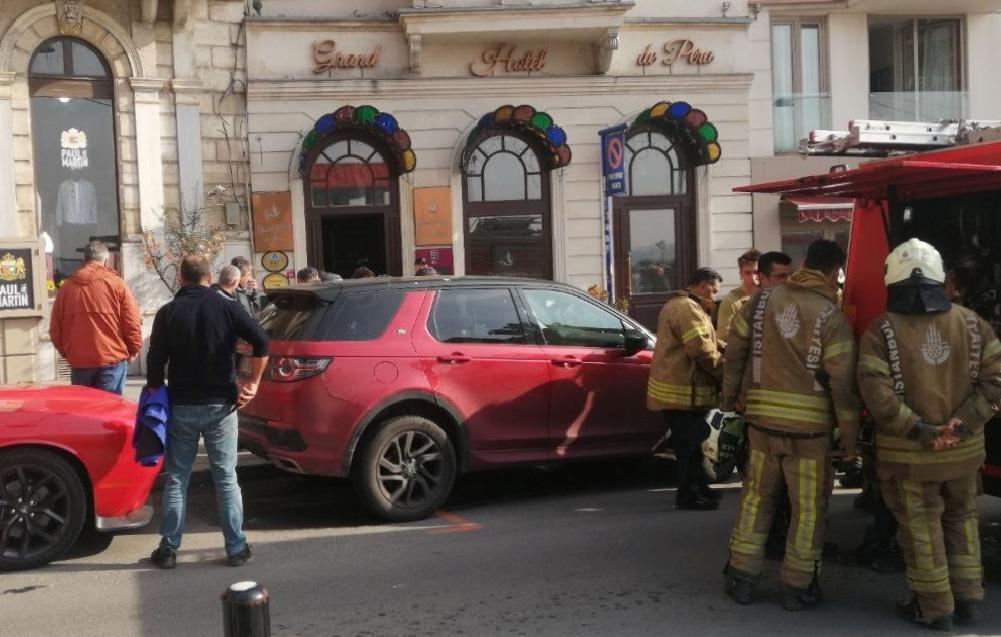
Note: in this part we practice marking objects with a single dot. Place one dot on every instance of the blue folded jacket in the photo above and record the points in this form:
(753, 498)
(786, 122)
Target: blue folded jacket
(149, 438)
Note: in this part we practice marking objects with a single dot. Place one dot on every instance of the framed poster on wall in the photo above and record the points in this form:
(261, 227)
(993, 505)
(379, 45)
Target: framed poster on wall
(22, 278)
(433, 216)
(272, 216)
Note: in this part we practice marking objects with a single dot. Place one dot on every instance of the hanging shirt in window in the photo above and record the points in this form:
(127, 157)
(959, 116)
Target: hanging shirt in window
(76, 202)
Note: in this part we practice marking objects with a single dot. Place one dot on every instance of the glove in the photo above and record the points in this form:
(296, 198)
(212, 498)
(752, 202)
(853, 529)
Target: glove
(924, 434)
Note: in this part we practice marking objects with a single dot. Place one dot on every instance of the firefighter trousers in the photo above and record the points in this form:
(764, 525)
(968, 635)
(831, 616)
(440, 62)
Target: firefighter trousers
(804, 468)
(937, 532)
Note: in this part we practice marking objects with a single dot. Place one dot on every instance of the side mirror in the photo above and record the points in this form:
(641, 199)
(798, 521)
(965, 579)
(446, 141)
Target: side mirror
(634, 342)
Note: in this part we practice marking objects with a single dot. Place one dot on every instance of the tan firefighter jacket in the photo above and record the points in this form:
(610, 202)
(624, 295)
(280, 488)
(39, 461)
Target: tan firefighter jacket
(791, 358)
(731, 305)
(687, 364)
(932, 367)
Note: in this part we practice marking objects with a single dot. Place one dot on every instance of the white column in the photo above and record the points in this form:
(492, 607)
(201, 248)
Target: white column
(299, 256)
(848, 55)
(983, 50)
(559, 227)
(149, 152)
(189, 141)
(408, 238)
(8, 202)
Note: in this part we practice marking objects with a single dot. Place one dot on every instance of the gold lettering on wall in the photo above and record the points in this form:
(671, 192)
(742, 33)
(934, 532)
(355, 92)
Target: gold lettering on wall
(326, 58)
(674, 51)
(504, 58)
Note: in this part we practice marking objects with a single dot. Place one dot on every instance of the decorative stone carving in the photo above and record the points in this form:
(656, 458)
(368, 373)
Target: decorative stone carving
(604, 48)
(69, 15)
(415, 53)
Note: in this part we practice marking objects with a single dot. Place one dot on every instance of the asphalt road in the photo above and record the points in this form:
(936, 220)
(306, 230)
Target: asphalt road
(593, 549)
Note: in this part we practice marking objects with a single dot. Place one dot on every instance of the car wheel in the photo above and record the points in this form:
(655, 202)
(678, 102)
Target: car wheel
(43, 506)
(406, 470)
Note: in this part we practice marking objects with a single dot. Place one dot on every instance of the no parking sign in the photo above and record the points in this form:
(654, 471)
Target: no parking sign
(613, 156)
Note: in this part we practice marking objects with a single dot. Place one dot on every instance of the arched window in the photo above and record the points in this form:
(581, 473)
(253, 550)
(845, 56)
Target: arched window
(75, 159)
(349, 172)
(352, 212)
(653, 165)
(506, 209)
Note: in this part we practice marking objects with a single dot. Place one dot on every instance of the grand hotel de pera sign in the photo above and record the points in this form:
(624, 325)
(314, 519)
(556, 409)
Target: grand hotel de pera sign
(507, 58)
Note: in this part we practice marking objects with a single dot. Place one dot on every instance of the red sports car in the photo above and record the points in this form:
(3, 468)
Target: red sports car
(66, 459)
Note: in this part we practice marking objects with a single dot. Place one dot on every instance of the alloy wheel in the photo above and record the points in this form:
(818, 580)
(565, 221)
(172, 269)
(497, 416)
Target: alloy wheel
(410, 469)
(35, 510)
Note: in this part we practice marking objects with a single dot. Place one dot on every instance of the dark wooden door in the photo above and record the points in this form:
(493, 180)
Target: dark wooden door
(655, 251)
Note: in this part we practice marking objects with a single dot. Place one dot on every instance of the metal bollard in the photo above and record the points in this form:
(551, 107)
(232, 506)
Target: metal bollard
(245, 610)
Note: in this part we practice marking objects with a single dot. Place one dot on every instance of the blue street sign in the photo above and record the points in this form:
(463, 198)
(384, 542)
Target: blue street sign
(613, 169)
(613, 159)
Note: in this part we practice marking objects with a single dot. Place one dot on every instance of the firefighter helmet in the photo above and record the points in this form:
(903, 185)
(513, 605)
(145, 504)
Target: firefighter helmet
(914, 257)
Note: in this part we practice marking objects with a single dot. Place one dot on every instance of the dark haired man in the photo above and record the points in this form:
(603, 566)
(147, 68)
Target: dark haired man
(790, 367)
(194, 339)
(773, 269)
(684, 381)
(308, 274)
(737, 297)
(247, 293)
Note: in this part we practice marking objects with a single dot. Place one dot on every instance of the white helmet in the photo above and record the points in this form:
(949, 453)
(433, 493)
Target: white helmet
(914, 255)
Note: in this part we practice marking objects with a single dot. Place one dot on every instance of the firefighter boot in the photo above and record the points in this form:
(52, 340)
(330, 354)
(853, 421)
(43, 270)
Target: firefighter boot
(968, 611)
(740, 585)
(910, 610)
(794, 599)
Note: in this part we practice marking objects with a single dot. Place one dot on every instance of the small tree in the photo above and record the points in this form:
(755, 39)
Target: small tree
(185, 232)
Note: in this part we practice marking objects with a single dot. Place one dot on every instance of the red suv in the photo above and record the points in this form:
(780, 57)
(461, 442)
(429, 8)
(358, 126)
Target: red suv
(400, 384)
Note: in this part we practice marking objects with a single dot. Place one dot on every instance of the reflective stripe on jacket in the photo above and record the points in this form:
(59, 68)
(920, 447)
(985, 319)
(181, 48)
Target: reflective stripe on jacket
(686, 366)
(930, 367)
(791, 357)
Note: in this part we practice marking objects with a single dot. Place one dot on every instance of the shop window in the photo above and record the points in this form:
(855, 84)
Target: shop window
(915, 69)
(75, 160)
(349, 172)
(801, 101)
(507, 212)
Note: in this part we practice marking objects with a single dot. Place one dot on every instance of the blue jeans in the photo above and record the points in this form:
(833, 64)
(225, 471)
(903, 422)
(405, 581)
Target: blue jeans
(218, 425)
(109, 378)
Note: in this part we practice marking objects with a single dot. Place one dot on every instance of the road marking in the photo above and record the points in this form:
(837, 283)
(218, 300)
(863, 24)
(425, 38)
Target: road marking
(459, 523)
(589, 510)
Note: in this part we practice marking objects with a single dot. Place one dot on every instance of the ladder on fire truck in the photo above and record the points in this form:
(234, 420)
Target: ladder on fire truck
(882, 138)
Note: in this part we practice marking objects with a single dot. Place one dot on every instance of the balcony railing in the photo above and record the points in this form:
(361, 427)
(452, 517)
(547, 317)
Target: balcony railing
(913, 106)
(794, 116)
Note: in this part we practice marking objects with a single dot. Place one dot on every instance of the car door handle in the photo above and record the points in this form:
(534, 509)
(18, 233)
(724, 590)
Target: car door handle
(454, 358)
(568, 362)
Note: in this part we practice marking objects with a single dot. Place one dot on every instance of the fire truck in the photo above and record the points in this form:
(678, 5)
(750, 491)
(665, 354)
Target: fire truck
(939, 182)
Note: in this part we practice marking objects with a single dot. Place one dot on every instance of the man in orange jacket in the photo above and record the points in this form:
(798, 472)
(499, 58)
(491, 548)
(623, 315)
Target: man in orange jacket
(95, 323)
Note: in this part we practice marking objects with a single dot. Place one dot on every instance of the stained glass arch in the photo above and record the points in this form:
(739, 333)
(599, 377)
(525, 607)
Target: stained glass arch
(685, 125)
(366, 121)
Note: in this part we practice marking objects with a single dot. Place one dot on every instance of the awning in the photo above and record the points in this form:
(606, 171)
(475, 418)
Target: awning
(928, 175)
(820, 208)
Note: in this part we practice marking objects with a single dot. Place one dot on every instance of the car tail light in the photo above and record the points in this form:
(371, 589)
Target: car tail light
(287, 369)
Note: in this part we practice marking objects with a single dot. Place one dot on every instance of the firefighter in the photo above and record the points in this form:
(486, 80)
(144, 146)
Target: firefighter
(684, 381)
(735, 300)
(790, 367)
(930, 374)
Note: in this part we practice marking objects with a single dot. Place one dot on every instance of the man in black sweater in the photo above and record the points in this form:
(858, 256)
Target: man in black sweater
(194, 339)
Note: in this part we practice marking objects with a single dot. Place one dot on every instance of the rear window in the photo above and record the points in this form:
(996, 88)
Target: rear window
(354, 316)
